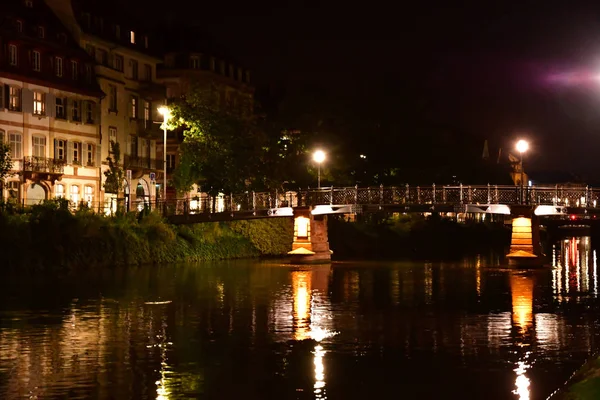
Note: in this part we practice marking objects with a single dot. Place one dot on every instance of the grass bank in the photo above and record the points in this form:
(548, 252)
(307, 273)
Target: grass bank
(412, 236)
(50, 236)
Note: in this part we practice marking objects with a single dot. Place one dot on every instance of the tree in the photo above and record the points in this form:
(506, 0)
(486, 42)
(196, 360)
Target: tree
(5, 163)
(222, 150)
(114, 175)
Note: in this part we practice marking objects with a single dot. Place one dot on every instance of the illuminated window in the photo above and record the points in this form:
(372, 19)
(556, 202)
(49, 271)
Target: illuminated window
(39, 146)
(15, 142)
(302, 224)
(14, 99)
(134, 107)
(39, 106)
(89, 151)
(59, 191)
(77, 153)
(132, 37)
(75, 195)
(88, 193)
(75, 114)
(59, 149)
(58, 64)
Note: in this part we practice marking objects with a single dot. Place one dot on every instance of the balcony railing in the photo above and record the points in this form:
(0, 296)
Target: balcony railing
(139, 162)
(43, 164)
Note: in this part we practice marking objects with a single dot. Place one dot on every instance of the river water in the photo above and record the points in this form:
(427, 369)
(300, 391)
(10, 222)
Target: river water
(266, 330)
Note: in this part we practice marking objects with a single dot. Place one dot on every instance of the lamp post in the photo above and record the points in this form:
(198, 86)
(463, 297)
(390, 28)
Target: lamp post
(522, 147)
(319, 157)
(166, 113)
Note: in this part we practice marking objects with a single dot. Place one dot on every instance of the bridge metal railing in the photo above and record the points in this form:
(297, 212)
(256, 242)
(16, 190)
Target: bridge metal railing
(457, 195)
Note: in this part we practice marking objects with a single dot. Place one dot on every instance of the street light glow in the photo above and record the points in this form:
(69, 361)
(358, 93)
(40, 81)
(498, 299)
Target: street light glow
(319, 156)
(164, 111)
(522, 146)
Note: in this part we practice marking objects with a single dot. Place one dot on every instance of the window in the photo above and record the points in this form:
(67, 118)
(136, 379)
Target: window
(195, 62)
(60, 149)
(37, 61)
(13, 190)
(134, 107)
(102, 56)
(58, 65)
(39, 146)
(132, 37)
(112, 98)
(74, 70)
(88, 73)
(41, 32)
(29, 3)
(146, 42)
(13, 55)
(39, 105)
(88, 193)
(170, 161)
(20, 26)
(59, 191)
(61, 107)
(118, 31)
(14, 98)
(89, 112)
(75, 194)
(134, 69)
(147, 72)
(118, 63)
(76, 153)
(212, 64)
(76, 115)
(231, 71)
(15, 142)
(112, 133)
(147, 113)
(134, 146)
(2, 134)
(89, 155)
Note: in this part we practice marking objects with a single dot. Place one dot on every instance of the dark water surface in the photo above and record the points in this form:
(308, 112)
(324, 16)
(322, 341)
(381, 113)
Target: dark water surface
(265, 330)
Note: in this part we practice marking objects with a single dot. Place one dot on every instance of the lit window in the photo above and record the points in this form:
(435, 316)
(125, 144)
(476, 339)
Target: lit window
(134, 107)
(59, 66)
(112, 133)
(39, 106)
(118, 63)
(132, 37)
(89, 195)
(14, 99)
(16, 145)
(146, 112)
(74, 194)
(39, 146)
(37, 61)
(89, 112)
(13, 55)
(59, 191)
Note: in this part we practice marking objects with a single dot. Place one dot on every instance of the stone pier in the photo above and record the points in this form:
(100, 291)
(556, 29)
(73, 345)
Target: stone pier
(525, 248)
(311, 242)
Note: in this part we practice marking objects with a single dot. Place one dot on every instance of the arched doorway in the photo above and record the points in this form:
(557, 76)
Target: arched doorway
(35, 194)
(142, 194)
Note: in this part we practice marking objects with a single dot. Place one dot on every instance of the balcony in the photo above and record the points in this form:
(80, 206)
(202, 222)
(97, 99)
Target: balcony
(141, 163)
(149, 129)
(43, 168)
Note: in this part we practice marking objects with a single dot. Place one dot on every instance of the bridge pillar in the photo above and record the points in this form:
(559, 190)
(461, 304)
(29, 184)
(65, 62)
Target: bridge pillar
(525, 248)
(311, 242)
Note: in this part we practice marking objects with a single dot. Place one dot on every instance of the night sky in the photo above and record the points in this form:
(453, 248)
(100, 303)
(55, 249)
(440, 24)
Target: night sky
(499, 72)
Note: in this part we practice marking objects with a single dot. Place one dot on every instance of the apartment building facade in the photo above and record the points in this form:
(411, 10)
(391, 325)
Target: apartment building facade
(190, 63)
(49, 108)
(125, 69)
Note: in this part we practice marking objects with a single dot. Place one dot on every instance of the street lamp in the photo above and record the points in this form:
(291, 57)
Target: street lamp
(522, 147)
(319, 157)
(166, 113)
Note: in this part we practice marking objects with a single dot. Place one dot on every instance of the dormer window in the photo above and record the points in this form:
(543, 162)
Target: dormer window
(195, 62)
(41, 32)
(13, 55)
(29, 3)
(132, 37)
(19, 26)
(37, 61)
(146, 42)
(118, 31)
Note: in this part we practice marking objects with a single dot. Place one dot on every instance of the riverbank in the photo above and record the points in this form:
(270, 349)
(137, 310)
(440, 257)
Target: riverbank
(50, 236)
(584, 385)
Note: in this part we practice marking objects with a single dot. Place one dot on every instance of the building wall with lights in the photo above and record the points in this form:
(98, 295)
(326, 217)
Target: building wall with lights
(49, 108)
(125, 67)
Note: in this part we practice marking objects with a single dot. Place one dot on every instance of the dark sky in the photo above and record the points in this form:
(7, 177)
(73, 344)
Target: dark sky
(497, 70)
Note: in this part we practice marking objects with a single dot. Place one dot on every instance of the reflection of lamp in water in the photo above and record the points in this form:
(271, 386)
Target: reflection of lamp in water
(301, 286)
(319, 372)
(522, 301)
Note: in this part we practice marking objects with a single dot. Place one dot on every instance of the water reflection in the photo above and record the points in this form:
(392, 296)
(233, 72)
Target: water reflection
(572, 270)
(521, 287)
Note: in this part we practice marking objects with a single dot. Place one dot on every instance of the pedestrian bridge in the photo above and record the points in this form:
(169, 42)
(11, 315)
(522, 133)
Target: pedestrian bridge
(491, 199)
